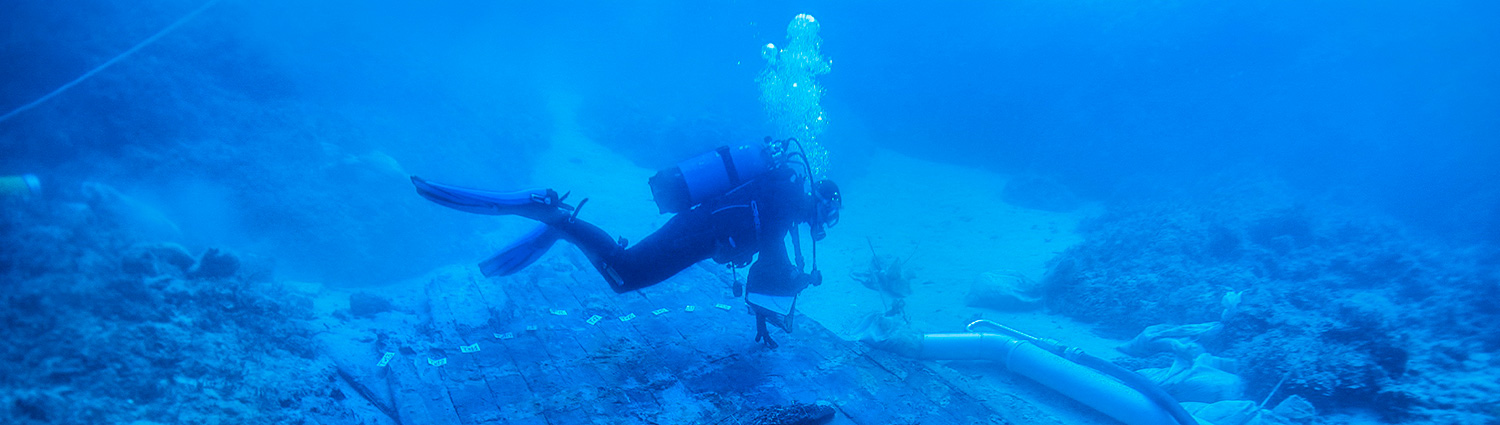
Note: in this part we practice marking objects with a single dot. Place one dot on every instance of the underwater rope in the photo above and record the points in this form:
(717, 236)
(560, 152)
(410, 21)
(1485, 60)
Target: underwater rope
(1274, 390)
(112, 61)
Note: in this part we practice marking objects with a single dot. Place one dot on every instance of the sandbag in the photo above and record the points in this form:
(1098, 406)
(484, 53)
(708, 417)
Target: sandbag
(1229, 412)
(1296, 408)
(1004, 291)
(1202, 379)
(1178, 339)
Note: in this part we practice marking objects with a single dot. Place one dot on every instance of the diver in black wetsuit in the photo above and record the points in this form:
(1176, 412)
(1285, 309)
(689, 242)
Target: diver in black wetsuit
(731, 205)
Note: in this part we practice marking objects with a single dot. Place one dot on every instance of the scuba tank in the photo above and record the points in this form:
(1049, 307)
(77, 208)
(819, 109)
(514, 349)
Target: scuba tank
(708, 176)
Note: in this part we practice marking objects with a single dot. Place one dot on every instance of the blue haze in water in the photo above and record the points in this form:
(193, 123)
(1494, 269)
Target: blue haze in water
(283, 131)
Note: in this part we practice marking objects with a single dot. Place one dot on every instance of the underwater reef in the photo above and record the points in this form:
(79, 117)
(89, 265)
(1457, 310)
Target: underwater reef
(212, 129)
(1349, 311)
(103, 326)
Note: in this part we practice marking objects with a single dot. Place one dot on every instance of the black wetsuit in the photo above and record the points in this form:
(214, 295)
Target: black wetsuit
(754, 218)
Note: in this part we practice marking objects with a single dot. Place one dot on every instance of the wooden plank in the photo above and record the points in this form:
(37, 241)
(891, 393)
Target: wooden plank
(676, 367)
(675, 357)
(630, 338)
(357, 362)
(606, 361)
(419, 384)
(469, 391)
(793, 373)
(456, 312)
(550, 388)
(406, 392)
(512, 395)
(612, 360)
(577, 346)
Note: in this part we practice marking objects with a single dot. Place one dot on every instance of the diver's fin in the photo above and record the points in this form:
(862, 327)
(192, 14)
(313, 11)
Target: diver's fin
(484, 201)
(521, 253)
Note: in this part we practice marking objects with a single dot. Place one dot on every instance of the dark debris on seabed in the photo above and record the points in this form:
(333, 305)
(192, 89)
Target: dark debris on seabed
(1352, 312)
(102, 326)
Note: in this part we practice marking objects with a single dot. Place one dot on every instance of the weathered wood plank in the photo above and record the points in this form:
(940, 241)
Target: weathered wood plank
(675, 367)
(457, 312)
(511, 393)
(420, 383)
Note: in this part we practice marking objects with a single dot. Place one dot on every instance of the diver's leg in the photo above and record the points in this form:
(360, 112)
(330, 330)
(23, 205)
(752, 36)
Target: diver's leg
(685, 239)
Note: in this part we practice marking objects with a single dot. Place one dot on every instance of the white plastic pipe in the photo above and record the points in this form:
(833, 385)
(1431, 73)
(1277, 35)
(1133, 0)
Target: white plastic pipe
(1091, 387)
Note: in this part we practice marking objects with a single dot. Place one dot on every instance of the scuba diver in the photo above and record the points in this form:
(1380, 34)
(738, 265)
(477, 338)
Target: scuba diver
(730, 204)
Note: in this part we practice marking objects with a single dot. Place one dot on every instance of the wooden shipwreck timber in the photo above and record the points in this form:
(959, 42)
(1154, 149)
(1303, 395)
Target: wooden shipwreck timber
(553, 346)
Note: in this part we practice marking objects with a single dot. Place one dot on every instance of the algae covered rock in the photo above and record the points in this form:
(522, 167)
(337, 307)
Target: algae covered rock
(155, 259)
(216, 264)
(365, 305)
(105, 326)
(792, 414)
(1340, 304)
(1004, 291)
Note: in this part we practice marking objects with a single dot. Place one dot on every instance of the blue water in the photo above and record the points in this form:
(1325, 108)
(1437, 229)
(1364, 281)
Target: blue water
(1345, 146)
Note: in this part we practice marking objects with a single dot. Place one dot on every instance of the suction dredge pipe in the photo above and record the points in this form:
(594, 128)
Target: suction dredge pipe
(1112, 390)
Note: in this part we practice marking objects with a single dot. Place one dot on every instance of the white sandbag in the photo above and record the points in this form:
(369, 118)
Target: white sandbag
(1004, 291)
(1200, 380)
